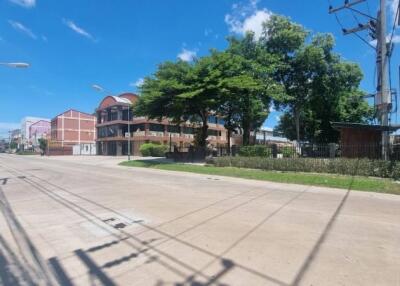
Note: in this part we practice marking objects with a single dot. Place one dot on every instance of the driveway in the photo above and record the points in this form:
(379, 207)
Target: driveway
(87, 221)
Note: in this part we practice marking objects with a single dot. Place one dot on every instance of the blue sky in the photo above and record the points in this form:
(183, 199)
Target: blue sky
(74, 44)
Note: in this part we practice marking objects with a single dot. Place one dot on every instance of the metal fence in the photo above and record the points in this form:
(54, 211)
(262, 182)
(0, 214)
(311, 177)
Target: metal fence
(303, 150)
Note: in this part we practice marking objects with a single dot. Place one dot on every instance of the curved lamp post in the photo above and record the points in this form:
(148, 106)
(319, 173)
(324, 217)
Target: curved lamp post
(15, 65)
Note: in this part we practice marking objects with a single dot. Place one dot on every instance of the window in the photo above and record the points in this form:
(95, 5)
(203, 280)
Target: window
(188, 130)
(125, 114)
(137, 127)
(174, 129)
(156, 127)
(211, 132)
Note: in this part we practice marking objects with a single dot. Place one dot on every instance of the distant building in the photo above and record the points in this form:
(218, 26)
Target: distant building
(73, 127)
(15, 137)
(113, 133)
(38, 130)
(264, 136)
(26, 123)
(267, 135)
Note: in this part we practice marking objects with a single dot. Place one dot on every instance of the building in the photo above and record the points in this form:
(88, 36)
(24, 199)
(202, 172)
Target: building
(38, 130)
(26, 123)
(264, 136)
(359, 140)
(112, 128)
(73, 132)
(267, 135)
(15, 138)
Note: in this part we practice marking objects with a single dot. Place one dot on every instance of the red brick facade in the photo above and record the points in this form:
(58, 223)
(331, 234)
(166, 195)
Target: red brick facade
(73, 127)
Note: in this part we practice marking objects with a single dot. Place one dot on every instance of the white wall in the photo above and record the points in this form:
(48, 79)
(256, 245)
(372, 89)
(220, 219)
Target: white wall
(84, 149)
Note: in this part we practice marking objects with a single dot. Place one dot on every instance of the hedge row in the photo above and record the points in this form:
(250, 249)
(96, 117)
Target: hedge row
(265, 151)
(356, 167)
(152, 149)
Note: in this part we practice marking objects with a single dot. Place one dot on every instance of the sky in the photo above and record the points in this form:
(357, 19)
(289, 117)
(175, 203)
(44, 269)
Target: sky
(72, 45)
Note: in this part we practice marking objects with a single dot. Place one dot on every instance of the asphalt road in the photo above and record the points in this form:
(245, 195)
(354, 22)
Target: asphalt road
(86, 221)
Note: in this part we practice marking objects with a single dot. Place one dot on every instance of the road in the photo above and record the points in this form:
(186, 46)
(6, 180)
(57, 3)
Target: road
(86, 221)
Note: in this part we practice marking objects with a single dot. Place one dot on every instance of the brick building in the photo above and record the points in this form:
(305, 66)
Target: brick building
(38, 130)
(112, 128)
(26, 123)
(73, 128)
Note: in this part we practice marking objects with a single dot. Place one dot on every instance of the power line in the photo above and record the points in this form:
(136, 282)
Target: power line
(344, 29)
(394, 27)
(377, 27)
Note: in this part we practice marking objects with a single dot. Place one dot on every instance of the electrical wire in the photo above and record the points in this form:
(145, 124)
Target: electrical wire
(394, 27)
(355, 33)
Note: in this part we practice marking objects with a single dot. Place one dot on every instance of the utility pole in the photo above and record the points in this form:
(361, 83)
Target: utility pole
(377, 27)
(383, 92)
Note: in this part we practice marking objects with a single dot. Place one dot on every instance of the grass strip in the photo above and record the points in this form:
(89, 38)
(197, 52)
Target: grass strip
(325, 180)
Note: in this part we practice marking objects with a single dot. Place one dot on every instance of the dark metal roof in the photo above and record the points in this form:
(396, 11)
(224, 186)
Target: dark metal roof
(341, 125)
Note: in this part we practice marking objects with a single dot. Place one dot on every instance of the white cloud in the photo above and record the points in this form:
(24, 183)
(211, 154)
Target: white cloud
(187, 55)
(44, 38)
(247, 17)
(21, 28)
(137, 83)
(394, 4)
(207, 32)
(25, 3)
(396, 39)
(74, 27)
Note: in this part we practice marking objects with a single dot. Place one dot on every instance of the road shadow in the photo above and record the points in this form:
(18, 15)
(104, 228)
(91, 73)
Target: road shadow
(27, 266)
(325, 233)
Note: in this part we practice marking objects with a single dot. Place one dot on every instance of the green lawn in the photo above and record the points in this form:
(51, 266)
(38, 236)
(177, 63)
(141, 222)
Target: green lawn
(325, 180)
(26, 153)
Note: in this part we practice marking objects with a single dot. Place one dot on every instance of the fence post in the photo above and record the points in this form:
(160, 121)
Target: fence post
(274, 149)
(332, 150)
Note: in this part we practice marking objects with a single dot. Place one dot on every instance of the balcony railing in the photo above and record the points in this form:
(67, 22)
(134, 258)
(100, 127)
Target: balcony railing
(139, 133)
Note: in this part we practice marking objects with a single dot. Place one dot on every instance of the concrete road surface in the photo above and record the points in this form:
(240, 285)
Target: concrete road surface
(87, 221)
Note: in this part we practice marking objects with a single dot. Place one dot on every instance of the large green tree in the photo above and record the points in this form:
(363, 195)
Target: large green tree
(252, 85)
(320, 86)
(182, 92)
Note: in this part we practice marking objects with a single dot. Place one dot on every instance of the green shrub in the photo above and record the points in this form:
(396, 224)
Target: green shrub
(288, 152)
(356, 167)
(255, 151)
(152, 149)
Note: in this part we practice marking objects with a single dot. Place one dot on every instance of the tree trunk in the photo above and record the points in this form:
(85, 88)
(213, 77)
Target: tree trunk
(201, 134)
(246, 133)
(229, 142)
(297, 120)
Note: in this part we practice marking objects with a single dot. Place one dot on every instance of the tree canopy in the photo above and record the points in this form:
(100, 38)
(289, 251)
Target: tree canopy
(298, 73)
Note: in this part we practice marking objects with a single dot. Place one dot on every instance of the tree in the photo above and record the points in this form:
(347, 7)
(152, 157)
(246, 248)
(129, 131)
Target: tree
(319, 85)
(251, 82)
(285, 39)
(13, 145)
(182, 92)
(43, 144)
(322, 88)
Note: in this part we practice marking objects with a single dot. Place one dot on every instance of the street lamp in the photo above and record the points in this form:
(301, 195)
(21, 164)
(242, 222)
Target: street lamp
(16, 65)
(101, 89)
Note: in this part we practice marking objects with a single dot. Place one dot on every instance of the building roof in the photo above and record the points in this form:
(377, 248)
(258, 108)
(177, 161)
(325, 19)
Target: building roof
(121, 99)
(342, 125)
(125, 98)
(71, 109)
(40, 121)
